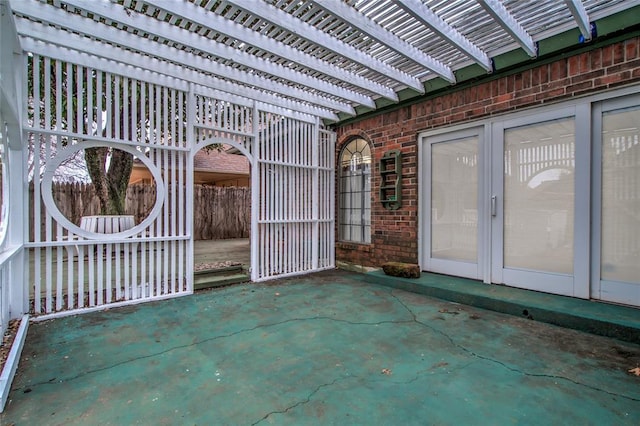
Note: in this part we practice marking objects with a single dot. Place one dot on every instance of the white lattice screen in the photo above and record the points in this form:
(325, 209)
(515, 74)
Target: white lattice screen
(72, 108)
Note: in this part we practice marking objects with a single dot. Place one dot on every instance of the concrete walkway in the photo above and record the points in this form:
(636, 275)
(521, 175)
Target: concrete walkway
(326, 348)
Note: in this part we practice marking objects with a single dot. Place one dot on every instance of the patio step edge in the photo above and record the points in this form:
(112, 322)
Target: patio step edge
(11, 365)
(616, 321)
(219, 281)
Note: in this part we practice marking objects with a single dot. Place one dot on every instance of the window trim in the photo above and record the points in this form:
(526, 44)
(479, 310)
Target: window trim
(365, 221)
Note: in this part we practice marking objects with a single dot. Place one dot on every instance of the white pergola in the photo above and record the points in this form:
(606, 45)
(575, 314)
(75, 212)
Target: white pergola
(161, 79)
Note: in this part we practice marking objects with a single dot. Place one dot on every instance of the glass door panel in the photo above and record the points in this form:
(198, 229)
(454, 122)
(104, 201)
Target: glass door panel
(539, 163)
(452, 226)
(454, 200)
(535, 176)
(620, 206)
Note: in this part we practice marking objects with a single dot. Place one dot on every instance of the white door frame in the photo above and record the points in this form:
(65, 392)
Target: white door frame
(466, 269)
(612, 291)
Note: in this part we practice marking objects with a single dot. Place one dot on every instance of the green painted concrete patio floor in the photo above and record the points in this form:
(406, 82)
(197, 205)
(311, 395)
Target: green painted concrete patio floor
(325, 348)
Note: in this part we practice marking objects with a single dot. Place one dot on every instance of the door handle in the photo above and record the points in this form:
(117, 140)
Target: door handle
(494, 205)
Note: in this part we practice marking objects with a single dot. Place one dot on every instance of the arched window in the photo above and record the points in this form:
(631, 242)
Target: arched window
(354, 202)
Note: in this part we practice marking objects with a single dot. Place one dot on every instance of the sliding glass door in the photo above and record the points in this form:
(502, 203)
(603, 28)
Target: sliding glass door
(616, 207)
(452, 201)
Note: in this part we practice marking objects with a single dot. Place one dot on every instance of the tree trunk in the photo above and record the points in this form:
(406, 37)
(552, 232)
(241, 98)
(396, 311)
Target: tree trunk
(110, 180)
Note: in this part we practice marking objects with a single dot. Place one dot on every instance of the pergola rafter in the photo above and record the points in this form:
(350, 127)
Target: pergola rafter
(377, 32)
(419, 11)
(581, 17)
(500, 13)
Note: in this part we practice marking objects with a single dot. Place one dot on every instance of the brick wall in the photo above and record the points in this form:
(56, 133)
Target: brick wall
(395, 233)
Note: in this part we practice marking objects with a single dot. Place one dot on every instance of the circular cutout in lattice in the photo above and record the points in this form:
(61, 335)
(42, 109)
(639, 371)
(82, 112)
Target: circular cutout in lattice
(71, 159)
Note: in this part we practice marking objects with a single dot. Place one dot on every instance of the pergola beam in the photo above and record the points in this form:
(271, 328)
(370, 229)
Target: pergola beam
(426, 16)
(184, 37)
(377, 32)
(580, 16)
(216, 23)
(308, 32)
(113, 35)
(501, 15)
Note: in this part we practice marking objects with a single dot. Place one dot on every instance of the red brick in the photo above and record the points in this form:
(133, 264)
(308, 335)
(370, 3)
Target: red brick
(596, 59)
(630, 49)
(558, 70)
(544, 74)
(607, 56)
(618, 53)
(585, 62)
(573, 66)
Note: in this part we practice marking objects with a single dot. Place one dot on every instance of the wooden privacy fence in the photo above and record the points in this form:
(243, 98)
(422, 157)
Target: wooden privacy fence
(218, 213)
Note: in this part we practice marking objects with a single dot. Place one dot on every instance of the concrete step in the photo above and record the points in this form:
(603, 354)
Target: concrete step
(219, 277)
(619, 322)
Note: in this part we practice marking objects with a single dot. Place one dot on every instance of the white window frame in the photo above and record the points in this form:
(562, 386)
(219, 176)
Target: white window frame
(365, 239)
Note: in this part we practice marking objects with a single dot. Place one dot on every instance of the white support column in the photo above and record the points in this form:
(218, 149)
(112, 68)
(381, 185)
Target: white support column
(190, 143)
(17, 232)
(255, 192)
(315, 195)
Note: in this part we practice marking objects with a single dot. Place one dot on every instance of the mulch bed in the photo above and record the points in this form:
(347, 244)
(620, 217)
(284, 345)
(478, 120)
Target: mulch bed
(214, 265)
(7, 340)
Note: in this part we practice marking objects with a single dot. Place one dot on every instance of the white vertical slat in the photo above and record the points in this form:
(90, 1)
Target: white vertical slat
(108, 83)
(48, 257)
(79, 99)
(118, 278)
(117, 105)
(136, 285)
(108, 273)
(70, 277)
(144, 107)
(181, 186)
(100, 274)
(91, 270)
(59, 276)
(315, 194)
(127, 271)
(158, 162)
(99, 93)
(47, 93)
(81, 280)
(150, 253)
(90, 117)
(256, 206)
(167, 175)
(126, 115)
(69, 84)
(191, 118)
(173, 207)
(58, 94)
